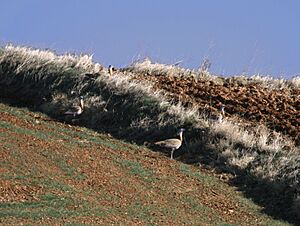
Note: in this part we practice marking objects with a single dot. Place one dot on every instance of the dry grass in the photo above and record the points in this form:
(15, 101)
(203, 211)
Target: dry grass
(265, 153)
(147, 66)
(31, 58)
(135, 112)
(277, 83)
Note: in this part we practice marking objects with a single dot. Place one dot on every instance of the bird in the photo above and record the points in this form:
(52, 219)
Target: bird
(111, 69)
(172, 143)
(76, 110)
(222, 113)
(177, 63)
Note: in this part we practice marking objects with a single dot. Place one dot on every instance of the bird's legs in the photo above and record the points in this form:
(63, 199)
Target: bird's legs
(172, 153)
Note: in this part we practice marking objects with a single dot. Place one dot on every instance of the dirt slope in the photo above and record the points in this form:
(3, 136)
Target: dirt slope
(53, 173)
(277, 109)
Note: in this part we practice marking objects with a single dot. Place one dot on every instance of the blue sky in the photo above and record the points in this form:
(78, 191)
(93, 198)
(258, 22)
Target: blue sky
(249, 37)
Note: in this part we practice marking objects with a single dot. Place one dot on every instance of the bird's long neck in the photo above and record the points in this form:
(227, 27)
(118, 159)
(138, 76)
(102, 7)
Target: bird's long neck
(81, 104)
(180, 135)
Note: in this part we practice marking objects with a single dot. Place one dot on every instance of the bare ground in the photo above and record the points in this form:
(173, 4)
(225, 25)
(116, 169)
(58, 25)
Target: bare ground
(53, 173)
(249, 103)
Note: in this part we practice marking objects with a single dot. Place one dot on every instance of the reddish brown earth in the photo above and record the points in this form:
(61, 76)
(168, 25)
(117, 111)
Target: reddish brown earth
(278, 109)
(53, 173)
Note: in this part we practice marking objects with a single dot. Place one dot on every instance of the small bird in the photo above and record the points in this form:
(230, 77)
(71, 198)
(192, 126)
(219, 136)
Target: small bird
(76, 110)
(173, 143)
(177, 63)
(111, 69)
(222, 113)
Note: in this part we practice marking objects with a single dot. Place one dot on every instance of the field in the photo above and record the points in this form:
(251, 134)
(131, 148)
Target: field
(54, 173)
(102, 167)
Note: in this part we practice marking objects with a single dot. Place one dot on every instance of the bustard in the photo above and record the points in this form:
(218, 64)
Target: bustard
(173, 144)
(76, 110)
(222, 113)
(111, 69)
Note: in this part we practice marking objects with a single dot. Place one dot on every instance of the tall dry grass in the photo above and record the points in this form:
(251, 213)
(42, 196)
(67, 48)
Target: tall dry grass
(147, 66)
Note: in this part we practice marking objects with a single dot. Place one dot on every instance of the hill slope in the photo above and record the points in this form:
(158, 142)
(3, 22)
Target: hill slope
(149, 101)
(250, 102)
(54, 173)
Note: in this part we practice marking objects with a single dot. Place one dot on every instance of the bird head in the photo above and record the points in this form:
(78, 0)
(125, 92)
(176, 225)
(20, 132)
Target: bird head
(180, 133)
(181, 130)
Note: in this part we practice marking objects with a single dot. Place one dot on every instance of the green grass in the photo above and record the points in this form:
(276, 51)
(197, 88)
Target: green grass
(70, 171)
(75, 138)
(187, 170)
(136, 169)
(61, 162)
(35, 180)
(49, 205)
(24, 131)
(52, 184)
(141, 211)
(6, 145)
(226, 224)
(63, 200)
(197, 208)
(14, 177)
(20, 113)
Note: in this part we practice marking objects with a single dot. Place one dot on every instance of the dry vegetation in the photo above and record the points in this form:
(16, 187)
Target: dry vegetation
(132, 109)
(147, 66)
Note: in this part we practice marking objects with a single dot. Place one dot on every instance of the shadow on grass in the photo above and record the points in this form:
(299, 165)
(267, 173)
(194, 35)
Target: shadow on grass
(275, 197)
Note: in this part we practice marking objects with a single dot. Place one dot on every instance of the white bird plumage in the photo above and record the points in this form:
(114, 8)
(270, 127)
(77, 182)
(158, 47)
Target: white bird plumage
(111, 69)
(76, 110)
(172, 143)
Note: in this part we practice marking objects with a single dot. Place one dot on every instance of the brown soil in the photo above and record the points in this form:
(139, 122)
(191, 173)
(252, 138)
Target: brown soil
(104, 176)
(12, 191)
(278, 109)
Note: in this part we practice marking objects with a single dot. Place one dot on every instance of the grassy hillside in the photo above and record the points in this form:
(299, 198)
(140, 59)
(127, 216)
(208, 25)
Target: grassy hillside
(54, 173)
(263, 161)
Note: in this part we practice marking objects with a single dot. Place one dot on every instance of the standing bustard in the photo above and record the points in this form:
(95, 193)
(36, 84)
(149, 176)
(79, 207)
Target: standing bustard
(111, 69)
(173, 143)
(222, 113)
(76, 110)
